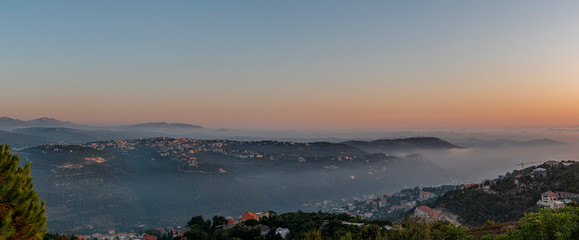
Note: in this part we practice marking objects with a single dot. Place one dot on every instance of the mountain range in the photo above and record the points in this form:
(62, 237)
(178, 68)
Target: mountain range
(390, 146)
(7, 123)
(163, 181)
(21, 133)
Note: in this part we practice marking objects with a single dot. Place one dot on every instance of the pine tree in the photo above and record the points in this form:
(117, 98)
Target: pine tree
(21, 213)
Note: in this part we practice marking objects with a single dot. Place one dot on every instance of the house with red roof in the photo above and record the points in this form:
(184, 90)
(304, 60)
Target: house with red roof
(368, 215)
(97, 235)
(548, 196)
(424, 195)
(231, 221)
(149, 237)
(470, 185)
(427, 214)
(554, 200)
(248, 215)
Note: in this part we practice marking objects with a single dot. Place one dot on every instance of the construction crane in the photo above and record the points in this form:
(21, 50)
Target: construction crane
(522, 164)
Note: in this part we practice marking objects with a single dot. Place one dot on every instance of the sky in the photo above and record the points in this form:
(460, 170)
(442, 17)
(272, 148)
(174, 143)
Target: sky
(293, 64)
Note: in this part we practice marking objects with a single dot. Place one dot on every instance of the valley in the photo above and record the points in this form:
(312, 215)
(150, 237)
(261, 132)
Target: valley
(162, 181)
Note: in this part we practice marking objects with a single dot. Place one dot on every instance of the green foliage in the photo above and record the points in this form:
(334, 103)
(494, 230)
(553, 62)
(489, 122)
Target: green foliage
(251, 222)
(242, 232)
(154, 232)
(196, 233)
(487, 237)
(206, 229)
(348, 236)
(371, 232)
(489, 223)
(562, 224)
(302, 225)
(313, 235)
(21, 214)
(50, 236)
(218, 221)
(413, 229)
(199, 222)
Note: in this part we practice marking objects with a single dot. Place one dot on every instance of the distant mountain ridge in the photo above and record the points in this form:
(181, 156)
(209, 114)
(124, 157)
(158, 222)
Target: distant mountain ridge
(57, 131)
(162, 125)
(7, 123)
(402, 145)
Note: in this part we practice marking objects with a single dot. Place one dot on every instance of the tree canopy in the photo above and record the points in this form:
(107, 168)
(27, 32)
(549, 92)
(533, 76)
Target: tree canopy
(21, 213)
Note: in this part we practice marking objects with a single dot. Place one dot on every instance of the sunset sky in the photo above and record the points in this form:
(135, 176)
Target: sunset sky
(293, 64)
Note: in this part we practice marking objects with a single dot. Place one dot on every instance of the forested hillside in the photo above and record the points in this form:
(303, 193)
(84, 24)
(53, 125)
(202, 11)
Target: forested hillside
(509, 198)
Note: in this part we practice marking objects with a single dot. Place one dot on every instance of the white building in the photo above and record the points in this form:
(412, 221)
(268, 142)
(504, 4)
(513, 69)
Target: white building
(553, 200)
(283, 232)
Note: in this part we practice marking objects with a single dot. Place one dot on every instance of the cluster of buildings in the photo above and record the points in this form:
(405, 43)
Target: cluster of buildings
(185, 149)
(111, 235)
(556, 200)
(485, 184)
(384, 204)
(555, 163)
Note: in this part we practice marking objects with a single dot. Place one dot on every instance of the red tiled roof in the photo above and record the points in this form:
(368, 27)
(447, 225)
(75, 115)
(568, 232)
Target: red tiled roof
(424, 208)
(248, 215)
(231, 220)
(431, 212)
(549, 194)
(149, 237)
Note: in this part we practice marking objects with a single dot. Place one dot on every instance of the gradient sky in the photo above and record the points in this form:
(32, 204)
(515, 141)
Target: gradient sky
(293, 64)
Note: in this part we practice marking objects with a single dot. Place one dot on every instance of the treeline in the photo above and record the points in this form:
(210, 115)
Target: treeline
(301, 224)
(561, 224)
(509, 198)
(320, 226)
